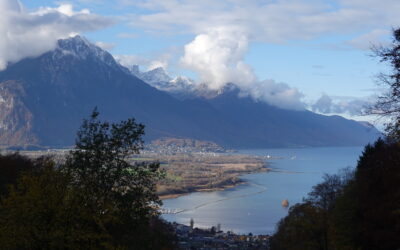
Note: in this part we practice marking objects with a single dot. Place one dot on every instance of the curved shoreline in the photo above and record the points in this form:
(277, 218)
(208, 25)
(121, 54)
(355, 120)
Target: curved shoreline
(218, 188)
(173, 196)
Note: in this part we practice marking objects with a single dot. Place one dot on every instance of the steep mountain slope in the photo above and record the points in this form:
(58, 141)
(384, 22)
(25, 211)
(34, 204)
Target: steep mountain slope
(266, 125)
(44, 99)
(61, 87)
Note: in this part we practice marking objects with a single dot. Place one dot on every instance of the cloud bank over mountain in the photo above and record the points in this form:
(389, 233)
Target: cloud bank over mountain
(218, 56)
(217, 53)
(342, 105)
(26, 33)
(45, 98)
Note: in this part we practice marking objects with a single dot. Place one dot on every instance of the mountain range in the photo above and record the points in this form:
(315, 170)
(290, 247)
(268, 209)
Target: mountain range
(44, 99)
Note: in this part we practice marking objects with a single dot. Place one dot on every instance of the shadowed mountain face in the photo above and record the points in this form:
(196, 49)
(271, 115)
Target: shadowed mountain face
(43, 101)
(266, 125)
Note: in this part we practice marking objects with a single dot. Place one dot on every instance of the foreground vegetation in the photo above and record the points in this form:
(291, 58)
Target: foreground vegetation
(184, 173)
(349, 210)
(96, 199)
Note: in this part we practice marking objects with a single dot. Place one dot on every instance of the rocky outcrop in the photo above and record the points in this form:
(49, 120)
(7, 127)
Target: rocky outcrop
(16, 120)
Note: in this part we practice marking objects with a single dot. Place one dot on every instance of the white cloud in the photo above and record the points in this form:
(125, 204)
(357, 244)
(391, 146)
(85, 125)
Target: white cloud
(218, 57)
(355, 108)
(158, 64)
(224, 30)
(374, 38)
(130, 60)
(105, 46)
(275, 93)
(30, 33)
(350, 106)
(66, 9)
(269, 21)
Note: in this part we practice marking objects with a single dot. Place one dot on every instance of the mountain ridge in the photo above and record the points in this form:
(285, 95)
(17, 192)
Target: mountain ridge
(45, 99)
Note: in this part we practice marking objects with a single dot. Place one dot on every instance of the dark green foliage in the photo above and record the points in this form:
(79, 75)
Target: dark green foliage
(376, 191)
(100, 165)
(367, 214)
(346, 211)
(301, 229)
(97, 199)
(100, 168)
(309, 224)
(11, 168)
(44, 212)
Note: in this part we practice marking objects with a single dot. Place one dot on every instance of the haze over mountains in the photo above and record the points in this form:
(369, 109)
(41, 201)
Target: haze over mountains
(44, 99)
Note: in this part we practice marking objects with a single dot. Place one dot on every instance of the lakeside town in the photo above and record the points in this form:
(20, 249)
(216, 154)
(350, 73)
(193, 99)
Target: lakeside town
(190, 237)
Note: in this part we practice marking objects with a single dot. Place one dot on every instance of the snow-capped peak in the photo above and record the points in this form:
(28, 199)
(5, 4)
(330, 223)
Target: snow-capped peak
(182, 80)
(80, 48)
(156, 75)
(160, 79)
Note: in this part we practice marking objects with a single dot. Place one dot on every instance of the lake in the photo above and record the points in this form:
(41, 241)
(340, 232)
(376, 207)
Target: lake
(256, 206)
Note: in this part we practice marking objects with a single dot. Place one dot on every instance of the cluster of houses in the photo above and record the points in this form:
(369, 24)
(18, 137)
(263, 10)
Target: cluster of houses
(214, 238)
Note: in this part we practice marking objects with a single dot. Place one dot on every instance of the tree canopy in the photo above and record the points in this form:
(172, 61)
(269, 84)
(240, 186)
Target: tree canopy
(349, 211)
(97, 199)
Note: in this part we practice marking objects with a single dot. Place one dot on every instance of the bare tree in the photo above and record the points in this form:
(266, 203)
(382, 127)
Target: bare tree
(388, 104)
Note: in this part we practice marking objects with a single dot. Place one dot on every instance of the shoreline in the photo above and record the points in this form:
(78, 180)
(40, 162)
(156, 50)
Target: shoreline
(218, 188)
(173, 196)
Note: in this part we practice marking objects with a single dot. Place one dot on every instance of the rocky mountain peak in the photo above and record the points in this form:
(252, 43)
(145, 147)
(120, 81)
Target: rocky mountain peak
(180, 86)
(81, 49)
(156, 75)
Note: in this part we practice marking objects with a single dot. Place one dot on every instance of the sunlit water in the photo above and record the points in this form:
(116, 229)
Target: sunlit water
(256, 206)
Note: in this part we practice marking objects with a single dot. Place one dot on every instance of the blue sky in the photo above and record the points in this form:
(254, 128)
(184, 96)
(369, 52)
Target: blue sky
(313, 46)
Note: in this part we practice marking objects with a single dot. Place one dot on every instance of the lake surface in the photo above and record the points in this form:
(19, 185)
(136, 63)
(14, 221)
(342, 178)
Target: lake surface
(256, 206)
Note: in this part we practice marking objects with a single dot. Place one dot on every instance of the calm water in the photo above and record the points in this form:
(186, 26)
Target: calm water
(256, 207)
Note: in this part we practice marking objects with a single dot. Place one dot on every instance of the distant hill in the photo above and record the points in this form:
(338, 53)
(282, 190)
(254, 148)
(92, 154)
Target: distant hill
(44, 99)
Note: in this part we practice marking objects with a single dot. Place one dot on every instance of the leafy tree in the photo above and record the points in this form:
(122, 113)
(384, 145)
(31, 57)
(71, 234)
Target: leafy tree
(101, 167)
(11, 168)
(375, 197)
(350, 211)
(308, 225)
(324, 194)
(97, 199)
(344, 232)
(302, 228)
(43, 212)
